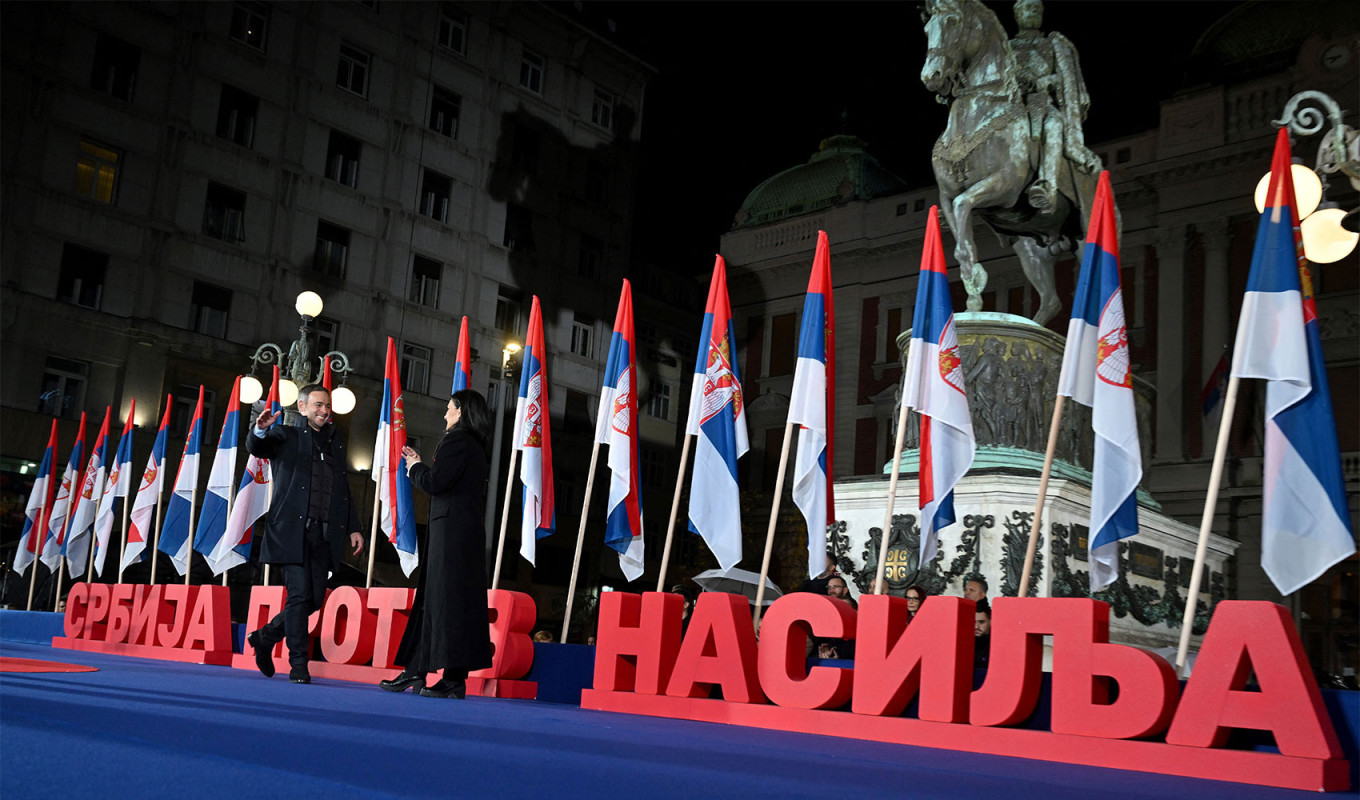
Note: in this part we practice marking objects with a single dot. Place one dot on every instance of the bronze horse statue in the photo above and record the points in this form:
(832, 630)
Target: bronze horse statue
(989, 159)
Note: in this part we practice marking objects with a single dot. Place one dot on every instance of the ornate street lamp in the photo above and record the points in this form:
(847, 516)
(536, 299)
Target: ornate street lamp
(295, 371)
(510, 359)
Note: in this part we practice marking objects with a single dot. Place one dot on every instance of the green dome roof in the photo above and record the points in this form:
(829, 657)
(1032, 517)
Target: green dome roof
(840, 171)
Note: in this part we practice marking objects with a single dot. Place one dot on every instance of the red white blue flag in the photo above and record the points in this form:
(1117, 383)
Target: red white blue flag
(1097, 372)
(812, 408)
(212, 517)
(174, 540)
(397, 517)
(39, 504)
(68, 499)
(617, 426)
(252, 500)
(934, 387)
(119, 485)
(462, 365)
(533, 438)
(1305, 525)
(144, 506)
(78, 542)
(717, 419)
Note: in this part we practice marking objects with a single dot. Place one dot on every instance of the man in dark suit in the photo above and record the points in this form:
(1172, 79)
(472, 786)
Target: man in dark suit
(309, 515)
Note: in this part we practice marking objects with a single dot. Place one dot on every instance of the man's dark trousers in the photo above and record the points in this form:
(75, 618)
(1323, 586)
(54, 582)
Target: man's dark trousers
(305, 588)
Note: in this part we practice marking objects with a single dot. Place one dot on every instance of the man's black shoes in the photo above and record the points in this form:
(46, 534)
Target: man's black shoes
(299, 675)
(402, 682)
(445, 688)
(264, 660)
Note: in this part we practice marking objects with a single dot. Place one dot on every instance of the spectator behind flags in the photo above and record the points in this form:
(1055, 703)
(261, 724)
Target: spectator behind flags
(212, 517)
(934, 387)
(81, 538)
(462, 366)
(174, 540)
(397, 517)
(617, 426)
(39, 505)
(148, 492)
(252, 500)
(119, 485)
(533, 437)
(1305, 523)
(813, 408)
(67, 497)
(1097, 372)
(717, 417)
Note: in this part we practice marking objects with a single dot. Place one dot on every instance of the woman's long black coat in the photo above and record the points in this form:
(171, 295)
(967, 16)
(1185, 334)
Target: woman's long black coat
(448, 627)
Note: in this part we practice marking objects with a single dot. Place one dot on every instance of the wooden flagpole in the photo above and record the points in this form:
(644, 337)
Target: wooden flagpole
(189, 553)
(580, 541)
(32, 580)
(156, 536)
(1206, 522)
(94, 536)
(675, 509)
(231, 501)
(774, 518)
(373, 535)
(505, 519)
(892, 498)
(1036, 525)
(41, 534)
(127, 505)
(61, 560)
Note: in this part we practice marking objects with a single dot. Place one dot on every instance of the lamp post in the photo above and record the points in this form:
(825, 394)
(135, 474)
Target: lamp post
(296, 370)
(509, 364)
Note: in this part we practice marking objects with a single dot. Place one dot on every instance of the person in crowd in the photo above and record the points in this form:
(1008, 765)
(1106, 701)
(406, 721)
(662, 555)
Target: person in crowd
(837, 648)
(690, 596)
(982, 634)
(975, 588)
(448, 627)
(916, 595)
(305, 529)
(543, 635)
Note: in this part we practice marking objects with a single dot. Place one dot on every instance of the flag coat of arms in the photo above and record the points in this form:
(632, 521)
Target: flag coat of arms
(39, 505)
(119, 485)
(462, 365)
(812, 408)
(212, 517)
(1097, 372)
(397, 507)
(935, 388)
(717, 419)
(252, 500)
(81, 538)
(144, 505)
(66, 502)
(174, 540)
(617, 427)
(1305, 522)
(533, 437)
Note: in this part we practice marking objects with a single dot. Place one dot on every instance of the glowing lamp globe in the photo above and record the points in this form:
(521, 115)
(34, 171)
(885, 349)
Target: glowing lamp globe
(1307, 190)
(309, 304)
(1324, 240)
(251, 390)
(288, 392)
(342, 400)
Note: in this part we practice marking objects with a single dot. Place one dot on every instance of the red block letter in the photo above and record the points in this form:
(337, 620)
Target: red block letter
(934, 654)
(512, 620)
(393, 607)
(125, 596)
(347, 627)
(170, 626)
(100, 594)
(77, 606)
(782, 658)
(719, 649)
(209, 625)
(637, 641)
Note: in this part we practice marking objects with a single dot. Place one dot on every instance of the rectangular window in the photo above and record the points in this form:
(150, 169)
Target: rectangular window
(653, 467)
(115, 67)
(659, 404)
(519, 228)
(352, 72)
(211, 304)
(332, 249)
(425, 275)
(602, 110)
(224, 213)
(97, 172)
(415, 368)
(531, 72)
(82, 276)
(597, 182)
(452, 29)
(342, 159)
(508, 312)
(434, 195)
(582, 331)
(783, 341)
(182, 413)
(444, 110)
(236, 113)
(327, 332)
(591, 258)
(63, 388)
(250, 23)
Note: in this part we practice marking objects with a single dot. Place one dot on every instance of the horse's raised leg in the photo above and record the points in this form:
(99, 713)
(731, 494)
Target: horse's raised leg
(1037, 261)
(988, 192)
(974, 276)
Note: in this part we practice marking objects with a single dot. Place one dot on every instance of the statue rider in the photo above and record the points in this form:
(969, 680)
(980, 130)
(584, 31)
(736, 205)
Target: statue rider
(1055, 96)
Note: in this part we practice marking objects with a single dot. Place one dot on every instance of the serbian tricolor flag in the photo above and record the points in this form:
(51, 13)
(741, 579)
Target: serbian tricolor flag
(174, 540)
(1096, 372)
(1305, 523)
(212, 517)
(617, 426)
(39, 504)
(717, 418)
(252, 500)
(78, 542)
(144, 506)
(934, 387)
(533, 437)
(462, 365)
(812, 407)
(119, 485)
(326, 379)
(68, 500)
(397, 517)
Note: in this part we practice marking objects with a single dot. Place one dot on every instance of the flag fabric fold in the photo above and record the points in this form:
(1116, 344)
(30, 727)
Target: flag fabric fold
(251, 503)
(39, 505)
(812, 408)
(144, 506)
(1097, 372)
(462, 365)
(68, 498)
(81, 538)
(174, 540)
(617, 426)
(1305, 523)
(212, 515)
(397, 506)
(934, 386)
(119, 485)
(717, 419)
(533, 438)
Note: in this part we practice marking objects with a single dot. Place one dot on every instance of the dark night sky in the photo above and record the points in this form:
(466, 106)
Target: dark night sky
(746, 89)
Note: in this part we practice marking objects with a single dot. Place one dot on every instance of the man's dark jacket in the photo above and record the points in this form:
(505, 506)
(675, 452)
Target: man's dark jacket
(289, 450)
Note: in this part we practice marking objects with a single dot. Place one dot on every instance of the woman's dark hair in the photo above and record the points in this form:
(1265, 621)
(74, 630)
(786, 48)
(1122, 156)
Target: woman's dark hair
(921, 590)
(476, 417)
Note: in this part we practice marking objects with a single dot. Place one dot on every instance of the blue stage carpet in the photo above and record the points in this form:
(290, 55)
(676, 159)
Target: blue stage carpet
(159, 729)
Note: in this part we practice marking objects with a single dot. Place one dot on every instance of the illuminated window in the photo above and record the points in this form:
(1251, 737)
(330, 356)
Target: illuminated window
(97, 172)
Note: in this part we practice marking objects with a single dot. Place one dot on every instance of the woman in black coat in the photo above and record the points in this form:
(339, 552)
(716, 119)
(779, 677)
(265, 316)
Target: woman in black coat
(448, 627)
